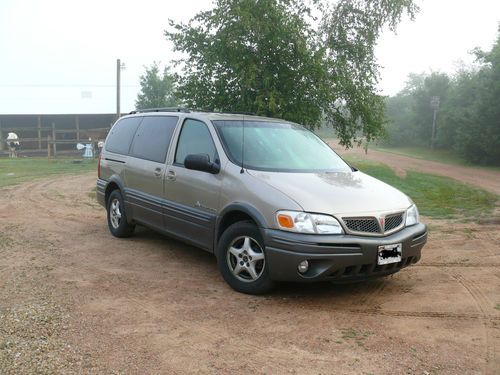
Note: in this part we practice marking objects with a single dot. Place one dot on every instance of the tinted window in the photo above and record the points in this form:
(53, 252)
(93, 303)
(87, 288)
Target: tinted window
(121, 135)
(195, 139)
(153, 137)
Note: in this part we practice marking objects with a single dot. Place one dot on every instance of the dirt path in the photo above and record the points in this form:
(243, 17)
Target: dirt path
(73, 299)
(486, 179)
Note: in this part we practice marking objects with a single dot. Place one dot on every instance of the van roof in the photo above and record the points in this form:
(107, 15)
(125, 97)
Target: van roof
(207, 114)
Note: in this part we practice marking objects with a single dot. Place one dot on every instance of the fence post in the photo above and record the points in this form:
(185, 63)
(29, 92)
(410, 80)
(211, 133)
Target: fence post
(39, 128)
(1, 137)
(77, 124)
(48, 146)
(54, 138)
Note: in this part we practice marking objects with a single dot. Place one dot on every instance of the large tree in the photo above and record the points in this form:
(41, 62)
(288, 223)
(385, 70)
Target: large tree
(468, 120)
(157, 89)
(310, 62)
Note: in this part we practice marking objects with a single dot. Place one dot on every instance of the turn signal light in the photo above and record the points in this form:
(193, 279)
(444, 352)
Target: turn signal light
(285, 221)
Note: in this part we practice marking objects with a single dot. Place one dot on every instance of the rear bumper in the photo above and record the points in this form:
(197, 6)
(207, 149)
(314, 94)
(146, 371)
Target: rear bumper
(344, 258)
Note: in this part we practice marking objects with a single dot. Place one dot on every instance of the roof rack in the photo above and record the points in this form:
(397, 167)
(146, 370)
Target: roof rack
(166, 109)
(241, 113)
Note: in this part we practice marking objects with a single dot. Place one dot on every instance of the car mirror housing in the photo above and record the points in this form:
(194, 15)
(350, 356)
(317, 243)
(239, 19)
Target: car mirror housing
(201, 162)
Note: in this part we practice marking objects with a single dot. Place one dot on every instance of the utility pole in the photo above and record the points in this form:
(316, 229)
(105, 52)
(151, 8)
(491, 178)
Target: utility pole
(435, 106)
(119, 67)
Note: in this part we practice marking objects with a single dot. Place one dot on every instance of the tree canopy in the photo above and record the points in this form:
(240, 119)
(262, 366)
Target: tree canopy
(310, 62)
(468, 119)
(157, 89)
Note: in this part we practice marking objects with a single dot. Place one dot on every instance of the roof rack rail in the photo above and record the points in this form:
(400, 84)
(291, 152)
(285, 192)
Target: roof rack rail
(242, 113)
(166, 109)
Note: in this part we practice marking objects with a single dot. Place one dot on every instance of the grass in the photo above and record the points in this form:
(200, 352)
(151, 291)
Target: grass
(435, 196)
(16, 171)
(356, 335)
(442, 156)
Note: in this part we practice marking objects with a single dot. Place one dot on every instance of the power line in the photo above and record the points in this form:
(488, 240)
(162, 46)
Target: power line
(62, 85)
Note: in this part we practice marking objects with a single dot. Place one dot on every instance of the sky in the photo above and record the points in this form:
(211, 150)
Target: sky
(59, 56)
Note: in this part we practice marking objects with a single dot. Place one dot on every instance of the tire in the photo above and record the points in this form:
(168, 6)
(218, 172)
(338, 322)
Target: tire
(241, 259)
(117, 218)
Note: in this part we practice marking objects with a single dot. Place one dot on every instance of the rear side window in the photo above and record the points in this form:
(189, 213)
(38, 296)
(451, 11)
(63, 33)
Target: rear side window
(195, 138)
(153, 137)
(121, 135)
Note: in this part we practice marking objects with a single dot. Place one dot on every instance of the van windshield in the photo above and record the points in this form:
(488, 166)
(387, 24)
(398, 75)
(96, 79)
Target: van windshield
(280, 147)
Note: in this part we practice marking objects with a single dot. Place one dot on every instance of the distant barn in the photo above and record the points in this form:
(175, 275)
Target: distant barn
(68, 129)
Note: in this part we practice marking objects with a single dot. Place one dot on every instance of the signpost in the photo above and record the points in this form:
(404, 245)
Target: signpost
(435, 106)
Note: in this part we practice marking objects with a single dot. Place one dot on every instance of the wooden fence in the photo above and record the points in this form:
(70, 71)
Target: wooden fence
(49, 137)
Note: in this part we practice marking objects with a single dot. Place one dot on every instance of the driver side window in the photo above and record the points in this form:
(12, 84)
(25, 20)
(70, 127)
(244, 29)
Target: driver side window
(195, 138)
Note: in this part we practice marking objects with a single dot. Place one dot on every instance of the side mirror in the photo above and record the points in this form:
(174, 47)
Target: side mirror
(201, 162)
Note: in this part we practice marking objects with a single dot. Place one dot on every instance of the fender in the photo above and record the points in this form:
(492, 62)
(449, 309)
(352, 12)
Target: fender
(121, 186)
(244, 207)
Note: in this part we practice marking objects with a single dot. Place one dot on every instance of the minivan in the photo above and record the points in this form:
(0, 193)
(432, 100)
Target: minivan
(269, 198)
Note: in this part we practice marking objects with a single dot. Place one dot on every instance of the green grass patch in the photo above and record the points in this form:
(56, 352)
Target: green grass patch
(442, 156)
(436, 196)
(16, 171)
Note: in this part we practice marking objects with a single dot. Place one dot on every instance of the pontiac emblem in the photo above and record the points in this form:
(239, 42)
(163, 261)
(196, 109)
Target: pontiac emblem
(382, 223)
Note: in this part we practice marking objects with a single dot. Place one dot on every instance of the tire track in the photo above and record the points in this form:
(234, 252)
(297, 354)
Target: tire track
(482, 304)
(459, 265)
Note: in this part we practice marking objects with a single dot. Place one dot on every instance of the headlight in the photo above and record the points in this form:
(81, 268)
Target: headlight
(412, 216)
(304, 222)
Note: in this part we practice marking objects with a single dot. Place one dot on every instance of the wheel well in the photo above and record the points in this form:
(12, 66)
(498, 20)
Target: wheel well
(112, 186)
(230, 218)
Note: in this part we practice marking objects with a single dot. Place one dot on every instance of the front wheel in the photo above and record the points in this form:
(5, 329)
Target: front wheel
(241, 259)
(117, 219)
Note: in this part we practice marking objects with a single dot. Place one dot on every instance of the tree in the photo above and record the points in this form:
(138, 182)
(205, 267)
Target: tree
(478, 134)
(157, 90)
(469, 114)
(274, 58)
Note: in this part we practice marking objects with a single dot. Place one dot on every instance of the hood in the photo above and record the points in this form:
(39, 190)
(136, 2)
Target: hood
(337, 193)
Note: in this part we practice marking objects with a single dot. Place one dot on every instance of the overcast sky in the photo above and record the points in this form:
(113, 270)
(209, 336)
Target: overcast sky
(59, 56)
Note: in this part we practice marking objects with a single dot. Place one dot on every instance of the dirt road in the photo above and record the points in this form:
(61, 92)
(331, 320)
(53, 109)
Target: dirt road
(73, 299)
(486, 179)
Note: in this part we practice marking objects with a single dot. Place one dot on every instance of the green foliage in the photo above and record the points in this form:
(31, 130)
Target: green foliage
(274, 58)
(435, 196)
(16, 171)
(157, 90)
(410, 112)
(468, 120)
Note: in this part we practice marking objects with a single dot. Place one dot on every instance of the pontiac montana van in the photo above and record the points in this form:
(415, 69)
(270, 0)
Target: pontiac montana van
(269, 198)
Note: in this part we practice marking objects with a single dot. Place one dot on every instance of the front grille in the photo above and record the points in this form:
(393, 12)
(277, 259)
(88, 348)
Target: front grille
(365, 225)
(393, 221)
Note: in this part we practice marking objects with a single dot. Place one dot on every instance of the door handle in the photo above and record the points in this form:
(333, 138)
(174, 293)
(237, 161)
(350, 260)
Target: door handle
(158, 172)
(171, 175)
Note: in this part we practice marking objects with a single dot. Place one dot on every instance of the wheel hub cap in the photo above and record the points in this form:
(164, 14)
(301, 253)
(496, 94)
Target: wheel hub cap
(245, 259)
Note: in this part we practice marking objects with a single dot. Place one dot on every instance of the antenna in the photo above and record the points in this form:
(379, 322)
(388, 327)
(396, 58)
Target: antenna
(243, 146)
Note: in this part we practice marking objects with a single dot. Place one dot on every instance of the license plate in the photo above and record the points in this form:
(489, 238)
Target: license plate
(389, 254)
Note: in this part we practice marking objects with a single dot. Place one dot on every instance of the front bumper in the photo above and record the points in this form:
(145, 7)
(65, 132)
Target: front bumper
(339, 258)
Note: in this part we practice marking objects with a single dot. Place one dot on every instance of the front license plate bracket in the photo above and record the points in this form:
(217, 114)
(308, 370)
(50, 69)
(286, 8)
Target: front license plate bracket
(388, 254)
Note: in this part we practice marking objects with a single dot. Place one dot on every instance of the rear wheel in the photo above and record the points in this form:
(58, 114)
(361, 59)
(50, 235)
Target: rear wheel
(117, 218)
(241, 259)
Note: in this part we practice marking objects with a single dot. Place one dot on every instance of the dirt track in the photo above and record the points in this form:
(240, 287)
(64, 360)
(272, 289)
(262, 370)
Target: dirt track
(486, 179)
(73, 299)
